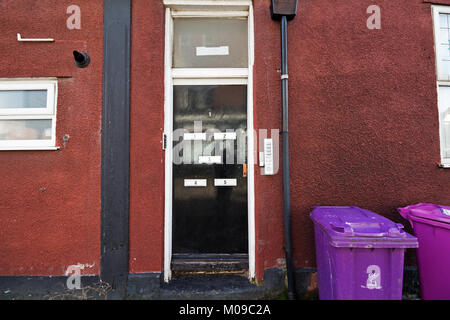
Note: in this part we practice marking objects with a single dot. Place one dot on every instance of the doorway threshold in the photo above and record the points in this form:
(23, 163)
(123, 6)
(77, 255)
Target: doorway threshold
(223, 286)
(183, 263)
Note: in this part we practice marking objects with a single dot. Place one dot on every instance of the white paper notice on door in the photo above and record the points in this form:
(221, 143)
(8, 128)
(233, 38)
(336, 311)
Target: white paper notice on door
(225, 182)
(224, 135)
(212, 51)
(195, 136)
(210, 159)
(195, 182)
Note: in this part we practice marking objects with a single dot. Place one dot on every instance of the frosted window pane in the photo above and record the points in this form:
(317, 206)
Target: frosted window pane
(445, 67)
(25, 129)
(444, 52)
(23, 99)
(443, 20)
(443, 36)
(444, 115)
(446, 137)
(210, 43)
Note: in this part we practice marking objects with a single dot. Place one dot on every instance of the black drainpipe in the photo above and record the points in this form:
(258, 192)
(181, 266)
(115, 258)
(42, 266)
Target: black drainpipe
(284, 10)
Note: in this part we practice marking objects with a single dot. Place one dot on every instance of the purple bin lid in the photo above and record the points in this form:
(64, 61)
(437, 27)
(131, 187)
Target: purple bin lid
(356, 222)
(428, 211)
(353, 227)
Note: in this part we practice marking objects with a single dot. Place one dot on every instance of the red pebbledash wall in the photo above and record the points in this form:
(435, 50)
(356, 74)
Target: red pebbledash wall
(50, 200)
(364, 118)
(363, 127)
(146, 123)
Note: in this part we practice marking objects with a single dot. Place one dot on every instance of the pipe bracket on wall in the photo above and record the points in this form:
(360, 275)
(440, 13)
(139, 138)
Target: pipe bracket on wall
(20, 39)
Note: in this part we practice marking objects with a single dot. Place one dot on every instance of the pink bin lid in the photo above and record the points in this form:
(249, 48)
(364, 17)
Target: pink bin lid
(428, 211)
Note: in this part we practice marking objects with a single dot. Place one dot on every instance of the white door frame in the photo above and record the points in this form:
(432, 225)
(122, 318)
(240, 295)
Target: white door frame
(177, 8)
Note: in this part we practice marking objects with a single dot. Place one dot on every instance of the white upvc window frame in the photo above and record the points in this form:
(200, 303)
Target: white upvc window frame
(442, 79)
(206, 76)
(445, 161)
(436, 10)
(47, 113)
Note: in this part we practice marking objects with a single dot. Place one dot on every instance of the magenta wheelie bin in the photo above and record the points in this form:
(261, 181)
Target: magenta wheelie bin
(431, 225)
(359, 254)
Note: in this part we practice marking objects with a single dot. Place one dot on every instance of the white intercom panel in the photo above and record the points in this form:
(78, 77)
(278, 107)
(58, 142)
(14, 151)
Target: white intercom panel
(268, 157)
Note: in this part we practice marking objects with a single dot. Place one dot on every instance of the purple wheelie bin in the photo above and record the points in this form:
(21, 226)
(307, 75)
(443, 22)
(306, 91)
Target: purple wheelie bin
(359, 254)
(431, 225)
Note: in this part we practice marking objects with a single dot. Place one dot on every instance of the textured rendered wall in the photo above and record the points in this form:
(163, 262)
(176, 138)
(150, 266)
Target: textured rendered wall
(147, 122)
(364, 120)
(363, 115)
(50, 200)
(363, 128)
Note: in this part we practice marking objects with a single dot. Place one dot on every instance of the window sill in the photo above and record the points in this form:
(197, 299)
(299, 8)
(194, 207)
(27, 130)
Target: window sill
(29, 148)
(444, 165)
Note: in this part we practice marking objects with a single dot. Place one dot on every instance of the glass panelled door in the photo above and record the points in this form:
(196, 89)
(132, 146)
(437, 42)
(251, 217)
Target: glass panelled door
(209, 169)
(208, 97)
